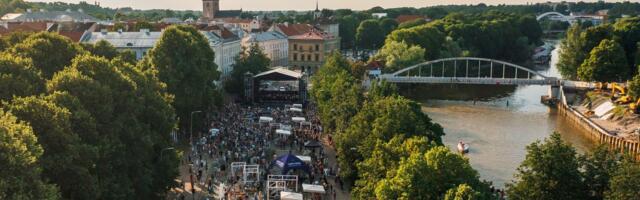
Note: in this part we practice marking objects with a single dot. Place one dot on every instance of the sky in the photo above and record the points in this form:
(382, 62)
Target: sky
(291, 4)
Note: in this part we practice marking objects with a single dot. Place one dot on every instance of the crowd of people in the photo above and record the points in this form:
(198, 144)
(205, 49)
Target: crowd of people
(238, 139)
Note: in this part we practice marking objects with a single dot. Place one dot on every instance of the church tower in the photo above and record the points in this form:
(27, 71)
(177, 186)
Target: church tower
(210, 8)
(317, 13)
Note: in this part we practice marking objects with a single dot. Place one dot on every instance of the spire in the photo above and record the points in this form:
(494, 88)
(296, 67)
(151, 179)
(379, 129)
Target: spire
(317, 10)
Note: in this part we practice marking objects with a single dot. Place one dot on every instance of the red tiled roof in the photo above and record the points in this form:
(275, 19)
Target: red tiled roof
(24, 27)
(294, 29)
(224, 32)
(73, 35)
(375, 65)
(405, 18)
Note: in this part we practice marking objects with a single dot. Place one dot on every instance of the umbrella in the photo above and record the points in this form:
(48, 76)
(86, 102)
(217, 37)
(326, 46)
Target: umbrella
(312, 144)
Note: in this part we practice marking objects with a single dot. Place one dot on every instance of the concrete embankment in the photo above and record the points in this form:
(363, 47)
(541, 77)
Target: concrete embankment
(593, 131)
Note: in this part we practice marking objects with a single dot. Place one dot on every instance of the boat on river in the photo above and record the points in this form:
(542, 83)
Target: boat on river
(463, 147)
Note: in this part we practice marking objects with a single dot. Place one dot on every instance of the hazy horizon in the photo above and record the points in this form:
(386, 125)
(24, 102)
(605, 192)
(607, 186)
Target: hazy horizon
(269, 5)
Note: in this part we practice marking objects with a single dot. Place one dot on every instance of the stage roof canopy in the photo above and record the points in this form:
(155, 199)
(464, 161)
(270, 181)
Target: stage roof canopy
(278, 74)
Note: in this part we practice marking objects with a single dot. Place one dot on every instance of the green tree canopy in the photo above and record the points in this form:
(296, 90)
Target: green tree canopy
(19, 154)
(369, 35)
(625, 181)
(462, 192)
(425, 36)
(606, 62)
(61, 162)
(49, 52)
(18, 77)
(549, 171)
(399, 55)
(428, 176)
(185, 62)
(252, 60)
(597, 169)
(387, 25)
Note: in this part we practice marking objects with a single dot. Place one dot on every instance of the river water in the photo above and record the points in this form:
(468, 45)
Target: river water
(497, 121)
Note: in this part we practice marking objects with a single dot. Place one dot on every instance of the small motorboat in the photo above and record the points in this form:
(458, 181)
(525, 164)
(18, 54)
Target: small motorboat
(463, 147)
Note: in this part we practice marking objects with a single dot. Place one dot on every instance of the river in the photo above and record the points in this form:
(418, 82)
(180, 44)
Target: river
(497, 121)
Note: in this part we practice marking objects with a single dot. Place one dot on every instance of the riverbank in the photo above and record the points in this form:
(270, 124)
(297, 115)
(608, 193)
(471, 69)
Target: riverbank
(594, 129)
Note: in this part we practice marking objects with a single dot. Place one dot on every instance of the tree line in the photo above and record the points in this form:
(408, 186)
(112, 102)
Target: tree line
(607, 52)
(81, 121)
(387, 148)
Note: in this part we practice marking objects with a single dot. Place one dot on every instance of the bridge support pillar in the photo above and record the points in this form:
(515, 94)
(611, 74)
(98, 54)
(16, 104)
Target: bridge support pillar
(554, 92)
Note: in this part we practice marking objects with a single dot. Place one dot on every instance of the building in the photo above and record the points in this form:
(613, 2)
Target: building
(308, 45)
(274, 44)
(49, 16)
(224, 44)
(211, 10)
(379, 15)
(139, 42)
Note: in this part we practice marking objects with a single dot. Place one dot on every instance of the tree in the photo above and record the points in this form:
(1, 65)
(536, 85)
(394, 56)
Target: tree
(185, 62)
(425, 36)
(133, 118)
(387, 25)
(530, 28)
(571, 56)
(369, 35)
(412, 23)
(348, 26)
(462, 192)
(606, 62)
(428, 176)
(18, 77)
(142, 25)
(549, 171)
(61, 162)
(634, 86)
(381, 119)
(102, 48)
(49, 52)
(399, 55)
(628, 32)
(598, 166)
(19, 154)
(252, 60)
(625, 181)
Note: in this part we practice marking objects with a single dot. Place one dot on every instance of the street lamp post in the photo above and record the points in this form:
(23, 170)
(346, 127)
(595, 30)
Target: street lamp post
(191, 130)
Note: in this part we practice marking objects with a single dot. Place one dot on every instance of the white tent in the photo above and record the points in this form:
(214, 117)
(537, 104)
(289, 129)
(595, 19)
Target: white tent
(266, 119)
(295, 109)
(283, 132)
(319, 189)
(297, 105)
(306, 159)
(214, 132)
(298, 119)
(290, 196)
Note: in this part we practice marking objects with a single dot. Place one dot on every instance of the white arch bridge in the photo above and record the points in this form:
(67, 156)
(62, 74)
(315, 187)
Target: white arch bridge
(470, 70)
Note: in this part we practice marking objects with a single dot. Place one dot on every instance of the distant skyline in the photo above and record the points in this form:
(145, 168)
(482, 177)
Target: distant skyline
(268, 5)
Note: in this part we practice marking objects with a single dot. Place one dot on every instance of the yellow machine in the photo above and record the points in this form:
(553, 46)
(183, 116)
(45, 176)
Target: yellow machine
(615, 86)
(634, 106)
(600, 86)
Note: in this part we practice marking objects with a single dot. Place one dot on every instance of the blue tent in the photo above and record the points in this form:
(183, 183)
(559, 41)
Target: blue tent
(288, 162)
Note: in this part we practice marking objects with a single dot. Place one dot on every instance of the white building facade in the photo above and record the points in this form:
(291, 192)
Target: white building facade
(141, 42)
(274, 44)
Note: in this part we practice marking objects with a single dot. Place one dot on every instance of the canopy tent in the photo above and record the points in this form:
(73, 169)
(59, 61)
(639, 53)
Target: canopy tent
(295, 109)
(297, 105)
(318, 189)
(214, 132)
(288, 162)
(306, 159)
(283, 132)
(312, 144)
(298, 119)
(265, 119)
(290, 196)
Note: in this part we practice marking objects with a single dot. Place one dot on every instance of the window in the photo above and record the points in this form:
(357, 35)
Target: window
(317, 47)
(302, 57)
(295, 46)
(310, 48)
(309, 57)
(317, 57)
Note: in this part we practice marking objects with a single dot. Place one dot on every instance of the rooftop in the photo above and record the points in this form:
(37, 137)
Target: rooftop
(56, 16)
(141, 39)
(264, 36)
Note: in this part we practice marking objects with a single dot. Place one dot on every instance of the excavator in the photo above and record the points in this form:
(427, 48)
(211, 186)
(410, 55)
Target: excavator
(622, 97)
